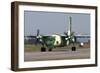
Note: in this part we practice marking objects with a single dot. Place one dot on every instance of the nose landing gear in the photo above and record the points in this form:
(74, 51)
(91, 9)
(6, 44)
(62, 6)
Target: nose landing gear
(43, 49)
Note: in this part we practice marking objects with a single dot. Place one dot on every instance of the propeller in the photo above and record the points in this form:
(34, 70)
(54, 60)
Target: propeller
(38, 37)
(70, 38)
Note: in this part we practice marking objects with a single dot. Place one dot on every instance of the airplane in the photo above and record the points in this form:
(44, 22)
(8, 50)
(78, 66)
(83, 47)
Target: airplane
(56, 40)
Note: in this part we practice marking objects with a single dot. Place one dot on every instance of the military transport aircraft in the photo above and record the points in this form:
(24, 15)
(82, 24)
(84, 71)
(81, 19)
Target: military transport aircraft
(56, 40)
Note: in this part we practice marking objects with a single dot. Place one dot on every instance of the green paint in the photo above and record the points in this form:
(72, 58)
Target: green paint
(49, 41)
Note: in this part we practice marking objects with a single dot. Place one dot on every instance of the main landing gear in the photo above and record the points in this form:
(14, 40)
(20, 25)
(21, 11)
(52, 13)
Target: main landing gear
(43, 49)
(73, 48)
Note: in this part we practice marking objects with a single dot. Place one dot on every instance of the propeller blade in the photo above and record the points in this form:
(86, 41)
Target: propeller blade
(38, 36)
(38, 32)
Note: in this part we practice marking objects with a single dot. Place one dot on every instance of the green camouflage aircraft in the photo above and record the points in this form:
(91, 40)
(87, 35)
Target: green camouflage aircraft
(57, 40)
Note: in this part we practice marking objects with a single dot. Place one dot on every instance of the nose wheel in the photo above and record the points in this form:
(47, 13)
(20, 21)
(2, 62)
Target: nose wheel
(43, 49)
(49, 49)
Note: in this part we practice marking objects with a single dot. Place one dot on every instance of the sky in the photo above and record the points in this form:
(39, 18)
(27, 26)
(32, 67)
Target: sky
(55, 23)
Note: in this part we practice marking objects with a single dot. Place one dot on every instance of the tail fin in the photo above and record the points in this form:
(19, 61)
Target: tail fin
(70, 26)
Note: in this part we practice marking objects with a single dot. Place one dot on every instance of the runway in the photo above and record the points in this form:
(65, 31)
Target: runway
(81, 53)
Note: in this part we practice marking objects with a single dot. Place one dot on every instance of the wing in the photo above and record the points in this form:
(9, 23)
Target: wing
(82, 36)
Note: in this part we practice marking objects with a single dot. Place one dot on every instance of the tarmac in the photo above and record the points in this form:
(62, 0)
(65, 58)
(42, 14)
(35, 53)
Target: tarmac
(80, 53)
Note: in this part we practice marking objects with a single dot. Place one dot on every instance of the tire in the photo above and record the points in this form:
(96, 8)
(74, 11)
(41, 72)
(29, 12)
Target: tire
(50, 49)
(73, 48)
(43, 49)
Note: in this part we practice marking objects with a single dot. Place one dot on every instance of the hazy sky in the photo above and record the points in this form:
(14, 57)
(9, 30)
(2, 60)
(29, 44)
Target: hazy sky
(55, 22)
